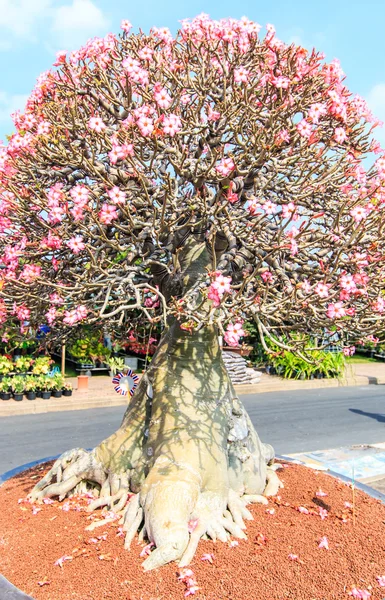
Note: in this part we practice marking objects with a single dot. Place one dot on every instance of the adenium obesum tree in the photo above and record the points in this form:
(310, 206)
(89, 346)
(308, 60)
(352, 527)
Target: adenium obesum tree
(204, 179)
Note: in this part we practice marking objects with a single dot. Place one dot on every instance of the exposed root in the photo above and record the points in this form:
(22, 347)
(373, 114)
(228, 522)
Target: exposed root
(72, 468)
(273, 483)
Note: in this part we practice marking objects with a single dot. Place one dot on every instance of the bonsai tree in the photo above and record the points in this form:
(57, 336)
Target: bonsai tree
(204, 179)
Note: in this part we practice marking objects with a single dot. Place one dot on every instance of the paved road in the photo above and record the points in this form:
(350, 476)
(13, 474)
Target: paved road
(296, 421)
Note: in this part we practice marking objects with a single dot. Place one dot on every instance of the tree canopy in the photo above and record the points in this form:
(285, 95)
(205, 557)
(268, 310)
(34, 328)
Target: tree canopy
(138, 146)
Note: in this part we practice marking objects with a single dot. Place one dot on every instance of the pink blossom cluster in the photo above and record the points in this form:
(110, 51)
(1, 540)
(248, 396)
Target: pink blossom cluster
(120, 151)
(188, 578)
(72, 317)
(220, 286)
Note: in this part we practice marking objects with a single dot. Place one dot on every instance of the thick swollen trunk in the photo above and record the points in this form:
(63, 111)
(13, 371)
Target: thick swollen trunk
(186, 448)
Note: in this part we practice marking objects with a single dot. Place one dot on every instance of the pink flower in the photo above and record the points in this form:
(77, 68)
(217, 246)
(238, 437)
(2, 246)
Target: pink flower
(171, 125)
(347, 283)
(324, 543)
(43, 128)
(267, 277)
(270, 511)
(80, 194)
(208, 557)
(59, 561)
(359, 213)
(233, 543)
(322, 289)
(305, 286)
(146, 53)
(192, 524)
(379, 305)
(316, 111)
(213, 295)
(348, 505)
(304, 128)
(162, 98)
(76, 244)
(125, 25)
(147, 550)
(96, 124)
(269, 207)
(233, 333)
(222, 284)
(340, 135)
(282, 136)
(51, 317)
(381, 580)
(35, 510)
(146, 126)
(303, 510)
(60, 58)
(320, 493)
(335, 311)
(288, 211)
(323, 513)
(117, 195)
(294, 557)
(358, 593)
(225, 166)
(213, 115)
(30, 273)
(349, 351)
(108, 213)
(241, 75)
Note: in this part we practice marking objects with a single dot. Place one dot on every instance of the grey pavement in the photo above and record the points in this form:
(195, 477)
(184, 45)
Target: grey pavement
(294, 421)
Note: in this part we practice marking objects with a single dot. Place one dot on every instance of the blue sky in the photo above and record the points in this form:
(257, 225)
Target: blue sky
(32, 31)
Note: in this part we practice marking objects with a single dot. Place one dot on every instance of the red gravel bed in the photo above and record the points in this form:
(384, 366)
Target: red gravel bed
(281, 558)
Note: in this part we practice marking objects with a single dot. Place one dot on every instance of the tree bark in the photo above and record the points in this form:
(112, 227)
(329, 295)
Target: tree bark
(186, 448)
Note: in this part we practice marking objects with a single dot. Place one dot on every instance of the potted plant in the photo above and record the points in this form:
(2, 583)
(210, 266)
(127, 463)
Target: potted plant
(22, 364)
(115, 365)
(30, 387)
(67, 389)
(57, 383)
(18, 384)
(5, 388)
(6, 366)
(42, 365)
(46, 383)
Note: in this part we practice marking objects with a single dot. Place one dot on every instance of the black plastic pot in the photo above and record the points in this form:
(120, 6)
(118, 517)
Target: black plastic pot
(46, 395)
(57, 393)
(5, 395)
(38, 393)
(18, 397)
(67, 392)
(31, 395)
(319, 375)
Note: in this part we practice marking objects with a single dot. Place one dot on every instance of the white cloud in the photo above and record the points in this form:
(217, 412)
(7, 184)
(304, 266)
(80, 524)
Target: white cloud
(73, 24)
(68, 26)
(19, 17)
